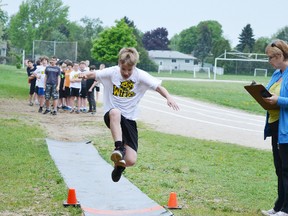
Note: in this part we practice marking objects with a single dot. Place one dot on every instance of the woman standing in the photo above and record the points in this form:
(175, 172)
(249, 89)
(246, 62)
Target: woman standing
(277, 122)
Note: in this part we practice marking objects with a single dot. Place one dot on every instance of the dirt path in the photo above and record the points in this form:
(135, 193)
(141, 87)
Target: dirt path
(63, 127)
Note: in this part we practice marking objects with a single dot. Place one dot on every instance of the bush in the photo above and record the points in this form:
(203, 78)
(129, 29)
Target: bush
(18, 65)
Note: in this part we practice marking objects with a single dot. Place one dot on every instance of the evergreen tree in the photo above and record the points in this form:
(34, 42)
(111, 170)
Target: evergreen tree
(246, 40)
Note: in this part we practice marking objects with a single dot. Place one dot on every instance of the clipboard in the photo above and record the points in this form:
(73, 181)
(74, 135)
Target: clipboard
(258, 91)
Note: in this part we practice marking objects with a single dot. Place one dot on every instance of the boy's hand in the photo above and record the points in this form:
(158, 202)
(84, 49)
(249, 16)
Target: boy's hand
(82, 76)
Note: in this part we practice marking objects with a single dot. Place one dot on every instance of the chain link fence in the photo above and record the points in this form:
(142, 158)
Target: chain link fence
(60, 49)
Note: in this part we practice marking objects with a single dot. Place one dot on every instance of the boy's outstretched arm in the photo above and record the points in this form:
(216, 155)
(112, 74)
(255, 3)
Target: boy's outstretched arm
(170, 101)
(87, 75)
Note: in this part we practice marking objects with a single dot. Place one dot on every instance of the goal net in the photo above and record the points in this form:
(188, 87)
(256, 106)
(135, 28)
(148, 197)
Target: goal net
(260, 72)
(238, 63)
(60, 49)
(201, 72)
(196, 71)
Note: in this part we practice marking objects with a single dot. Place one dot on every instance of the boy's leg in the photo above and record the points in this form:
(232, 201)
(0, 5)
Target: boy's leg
(118, 155)
(47, 98)
(123, 155)
(41, 99)
(130, 158)
(116, 131)
(55, 96)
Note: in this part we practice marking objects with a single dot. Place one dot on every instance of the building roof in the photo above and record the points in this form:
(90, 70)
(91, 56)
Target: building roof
(169, 54)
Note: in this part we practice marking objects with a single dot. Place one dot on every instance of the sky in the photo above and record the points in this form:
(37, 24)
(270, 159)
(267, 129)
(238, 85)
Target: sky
(265, 17)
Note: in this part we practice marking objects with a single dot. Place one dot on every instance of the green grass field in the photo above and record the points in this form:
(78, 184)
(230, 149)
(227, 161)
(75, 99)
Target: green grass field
(210, 178)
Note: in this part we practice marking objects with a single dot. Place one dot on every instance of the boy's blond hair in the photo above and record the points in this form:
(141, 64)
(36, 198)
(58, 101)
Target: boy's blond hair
(128, 55)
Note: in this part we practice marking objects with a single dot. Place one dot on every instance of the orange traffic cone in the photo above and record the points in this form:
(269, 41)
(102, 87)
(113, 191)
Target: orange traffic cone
(172, 202)
(71, 199)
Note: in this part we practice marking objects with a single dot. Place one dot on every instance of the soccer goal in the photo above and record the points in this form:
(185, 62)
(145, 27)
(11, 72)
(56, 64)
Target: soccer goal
(246, 59)
(260, 71)
(163, 69)
(201, 72)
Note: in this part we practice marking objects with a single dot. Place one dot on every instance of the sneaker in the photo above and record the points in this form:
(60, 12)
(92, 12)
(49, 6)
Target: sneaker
(54, 113)
(116, 173)
(30, 103)
(280, 213)
(46, 111)
(117, 157)
(40, 110)
(77, 111)
(268, 212)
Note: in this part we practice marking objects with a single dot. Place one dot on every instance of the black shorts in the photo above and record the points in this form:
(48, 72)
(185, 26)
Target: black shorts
(83, 93)
(75, 92)
(32, 86)
(61, 92)
(129, 131)
(67, 92)
(36, 89)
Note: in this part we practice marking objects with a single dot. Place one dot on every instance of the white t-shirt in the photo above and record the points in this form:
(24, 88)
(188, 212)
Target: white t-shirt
(125, 94)
(40, 72)
(74, 75)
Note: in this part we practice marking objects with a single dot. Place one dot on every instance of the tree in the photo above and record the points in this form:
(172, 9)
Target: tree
(188, 40)
(145, 63)
(210, 42)
(87, 31)
(174, 42)
(260, 45)
(92, 27)
(107, 46)
(214, 27)
(246, 40)
(219, 47)
(156, 39)
(204, 46)
(37, 20)
(3, 20)
(282, 34)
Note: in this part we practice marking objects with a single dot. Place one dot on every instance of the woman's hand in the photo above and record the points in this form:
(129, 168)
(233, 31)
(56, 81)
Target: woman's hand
(271, 100)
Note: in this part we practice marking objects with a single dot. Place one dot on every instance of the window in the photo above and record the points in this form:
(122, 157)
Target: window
(187, 61)
(173, 60)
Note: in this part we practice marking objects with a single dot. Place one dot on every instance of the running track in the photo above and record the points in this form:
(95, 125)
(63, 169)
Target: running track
(204, 121)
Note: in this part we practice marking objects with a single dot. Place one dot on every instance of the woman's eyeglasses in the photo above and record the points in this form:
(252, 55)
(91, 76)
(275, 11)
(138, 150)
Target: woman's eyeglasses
(271, 57)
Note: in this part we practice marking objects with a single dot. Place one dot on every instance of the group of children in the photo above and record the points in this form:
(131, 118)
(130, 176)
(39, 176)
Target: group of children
(51, 78)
